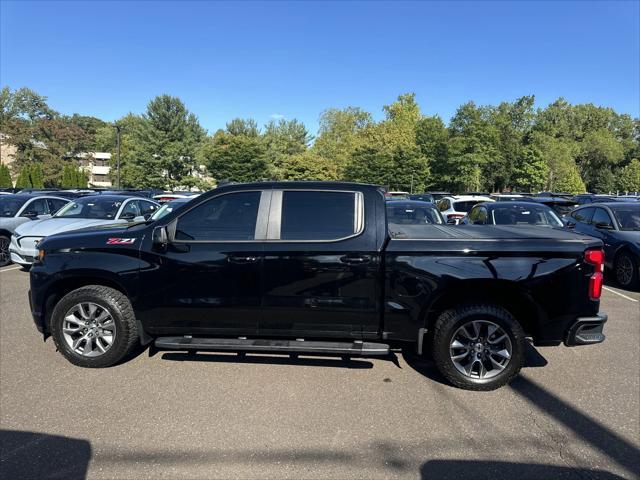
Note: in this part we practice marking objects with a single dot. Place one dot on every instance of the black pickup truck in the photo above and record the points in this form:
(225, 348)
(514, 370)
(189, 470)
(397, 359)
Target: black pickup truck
(314, 268)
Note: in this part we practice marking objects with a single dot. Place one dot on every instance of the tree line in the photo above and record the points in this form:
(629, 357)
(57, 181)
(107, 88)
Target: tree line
(513, 146)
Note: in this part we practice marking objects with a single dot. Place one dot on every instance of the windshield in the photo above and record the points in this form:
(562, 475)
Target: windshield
(10, 206)
(529, 215)
(96, 208)
(166, 209)
(465, 206)
(628, 217)
(412, 215)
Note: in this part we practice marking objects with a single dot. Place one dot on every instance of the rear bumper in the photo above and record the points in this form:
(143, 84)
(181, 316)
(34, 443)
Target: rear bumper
(586, 331)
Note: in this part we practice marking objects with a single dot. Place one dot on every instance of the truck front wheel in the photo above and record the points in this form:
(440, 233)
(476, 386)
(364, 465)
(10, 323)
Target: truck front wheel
(478, 347)
(94, 326)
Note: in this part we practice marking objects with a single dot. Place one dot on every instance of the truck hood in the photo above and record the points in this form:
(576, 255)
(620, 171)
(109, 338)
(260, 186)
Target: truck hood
(51, 226)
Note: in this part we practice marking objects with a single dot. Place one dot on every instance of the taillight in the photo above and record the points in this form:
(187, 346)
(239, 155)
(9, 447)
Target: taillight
(455, 215)
(595, 258)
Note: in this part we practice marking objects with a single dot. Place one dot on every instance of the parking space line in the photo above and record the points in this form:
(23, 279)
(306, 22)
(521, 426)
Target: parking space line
(7, 269)
(622, 295)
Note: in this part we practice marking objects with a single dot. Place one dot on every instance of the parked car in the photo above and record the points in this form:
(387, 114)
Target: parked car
(17, 209)
(512, 213)
(437, 195)
(397, 195)
(89, 211)
(422, 197)
(168, 196)
(168, 207)
(403, 215)
(617, 224)
(561, 205)
(456, 207)
(507, 197)
(585, 198)
(310, 267)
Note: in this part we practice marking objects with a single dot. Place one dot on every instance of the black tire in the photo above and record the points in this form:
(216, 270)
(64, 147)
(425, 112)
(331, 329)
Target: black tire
(117, 305)
(450, 321)
(621, 272)
(5, 257)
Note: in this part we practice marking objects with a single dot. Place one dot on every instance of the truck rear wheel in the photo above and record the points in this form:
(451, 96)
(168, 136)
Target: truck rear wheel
(94, 326)
(478, 347)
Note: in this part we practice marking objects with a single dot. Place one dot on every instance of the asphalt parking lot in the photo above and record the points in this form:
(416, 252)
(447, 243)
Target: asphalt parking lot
(573, 413)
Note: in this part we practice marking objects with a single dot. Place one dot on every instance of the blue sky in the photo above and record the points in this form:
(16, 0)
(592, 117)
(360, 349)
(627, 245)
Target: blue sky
(295, 59)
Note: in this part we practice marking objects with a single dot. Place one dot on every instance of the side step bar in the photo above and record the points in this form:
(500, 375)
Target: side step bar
(265, 345)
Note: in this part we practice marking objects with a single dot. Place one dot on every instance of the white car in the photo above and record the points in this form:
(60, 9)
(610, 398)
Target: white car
(16, 209)
(83, 212)
(455, 207)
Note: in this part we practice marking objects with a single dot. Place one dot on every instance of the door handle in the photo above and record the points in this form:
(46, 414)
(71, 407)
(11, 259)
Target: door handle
(355, 259)
(242, 259)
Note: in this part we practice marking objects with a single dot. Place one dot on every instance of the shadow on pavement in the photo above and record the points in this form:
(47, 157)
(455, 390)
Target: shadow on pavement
(490, 470)
(39, 455)
(585, 427)
(267, 359)
(613, 284)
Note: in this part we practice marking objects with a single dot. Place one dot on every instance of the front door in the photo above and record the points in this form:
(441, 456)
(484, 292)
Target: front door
(209, 280)
(320, 271)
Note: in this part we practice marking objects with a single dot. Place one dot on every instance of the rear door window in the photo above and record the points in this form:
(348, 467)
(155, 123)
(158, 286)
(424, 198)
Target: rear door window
(40, 206)
(56, 204)
(316, 215)
(601, 217)
(583, 215)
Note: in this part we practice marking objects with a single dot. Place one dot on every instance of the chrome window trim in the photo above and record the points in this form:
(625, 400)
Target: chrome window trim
(262, 220)
(177, 218)
(275, 216)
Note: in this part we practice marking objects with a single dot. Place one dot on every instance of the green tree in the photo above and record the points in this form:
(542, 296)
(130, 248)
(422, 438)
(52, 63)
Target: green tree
(530, 171)
(24, 179)
(234, 157)
(340, 134)
(599, 153)
(432, 138)
(283, 139)
(308, 165)
(5, 177)
(628, 177)
(37, 176)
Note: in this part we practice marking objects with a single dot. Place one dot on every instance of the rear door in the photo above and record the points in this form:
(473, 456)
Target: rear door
(321, 269)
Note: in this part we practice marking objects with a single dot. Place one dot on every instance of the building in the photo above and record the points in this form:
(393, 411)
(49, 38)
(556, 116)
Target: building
(96, 165)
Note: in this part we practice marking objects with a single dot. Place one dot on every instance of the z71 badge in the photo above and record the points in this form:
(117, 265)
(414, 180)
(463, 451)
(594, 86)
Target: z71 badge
(121, 241)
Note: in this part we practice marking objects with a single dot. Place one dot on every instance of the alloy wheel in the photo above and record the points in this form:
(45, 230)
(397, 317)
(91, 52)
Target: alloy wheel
(89, 329)
(624, 270)
(4, 250)
(480, 349)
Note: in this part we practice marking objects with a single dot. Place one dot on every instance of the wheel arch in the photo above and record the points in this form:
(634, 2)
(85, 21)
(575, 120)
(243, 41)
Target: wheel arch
(64, 285)
(505, 294)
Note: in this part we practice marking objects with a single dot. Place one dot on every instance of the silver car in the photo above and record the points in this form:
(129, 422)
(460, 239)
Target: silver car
(17, 209)
(84, 212)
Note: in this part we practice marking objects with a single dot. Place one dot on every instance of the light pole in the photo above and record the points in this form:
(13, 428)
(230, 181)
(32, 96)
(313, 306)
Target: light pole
(118, 153)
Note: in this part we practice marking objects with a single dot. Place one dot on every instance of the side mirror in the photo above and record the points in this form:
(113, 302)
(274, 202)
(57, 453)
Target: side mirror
(30, 214)
(160, 239)
(128, 216)
(603, 226)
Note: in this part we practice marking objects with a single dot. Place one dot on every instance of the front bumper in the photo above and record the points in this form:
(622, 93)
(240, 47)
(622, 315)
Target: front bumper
(22, 250)
(586, 331)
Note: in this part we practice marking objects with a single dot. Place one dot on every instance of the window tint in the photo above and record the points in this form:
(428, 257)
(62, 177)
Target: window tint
(601, 216)
(317, 215)
(584, 215)
(39, 206)
(443, 205)
(628, 217)
(227, 217)
(130, 207)
(147, 207)
(480, 216)
(55, 204)
(464, 206)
